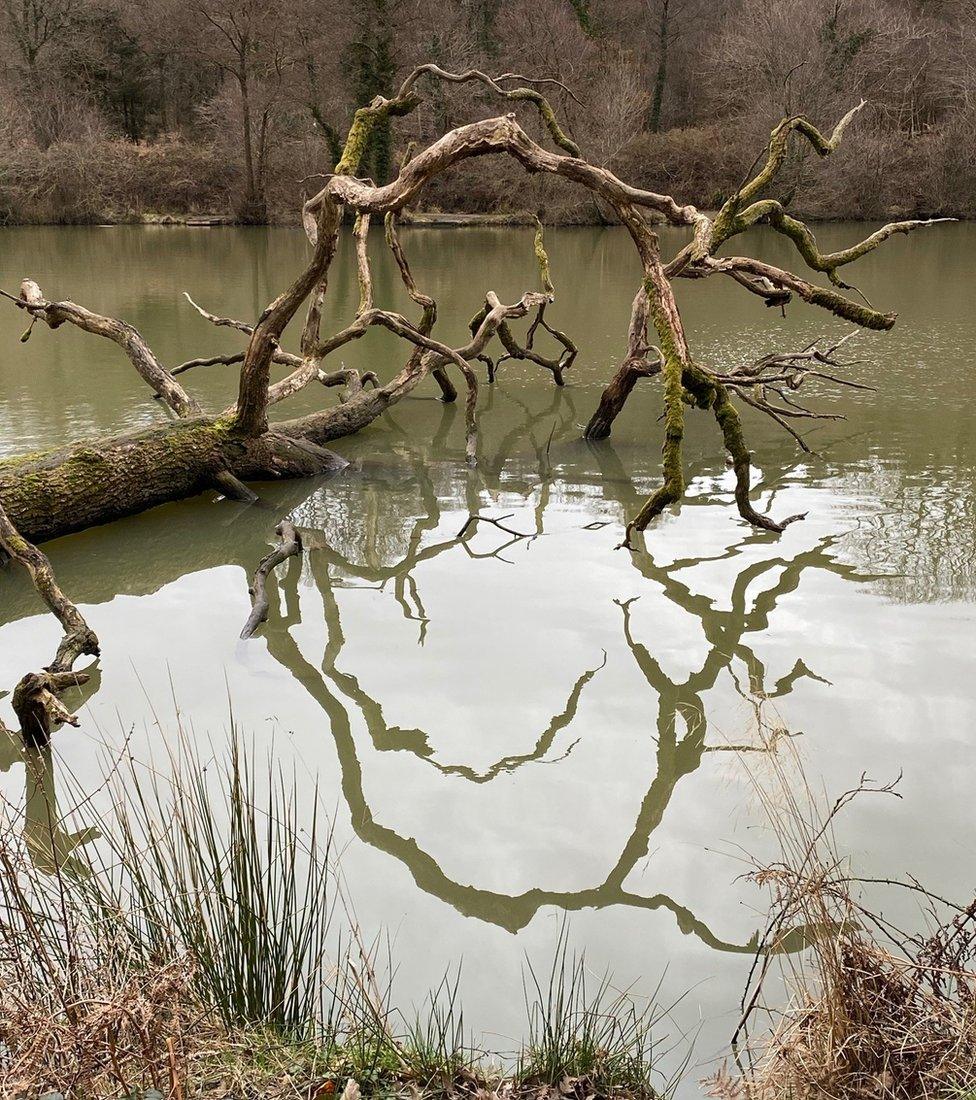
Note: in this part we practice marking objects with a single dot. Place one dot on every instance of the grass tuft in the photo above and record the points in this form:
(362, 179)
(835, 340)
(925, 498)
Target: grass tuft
(196, 954)
(586, 1037)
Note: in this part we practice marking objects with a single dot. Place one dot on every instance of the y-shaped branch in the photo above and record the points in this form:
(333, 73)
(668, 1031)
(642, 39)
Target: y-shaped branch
(515, 350)
(306, 370)
(55, 314)
(728, 222)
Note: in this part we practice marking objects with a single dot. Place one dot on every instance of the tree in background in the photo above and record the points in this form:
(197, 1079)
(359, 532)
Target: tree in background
(373, 70)
(33, 26)
(245, 41)
(664, 33)
(219, 80)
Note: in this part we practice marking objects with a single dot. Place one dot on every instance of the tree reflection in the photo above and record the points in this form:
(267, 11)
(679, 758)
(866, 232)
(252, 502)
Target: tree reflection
(375, 535)
(681, 722)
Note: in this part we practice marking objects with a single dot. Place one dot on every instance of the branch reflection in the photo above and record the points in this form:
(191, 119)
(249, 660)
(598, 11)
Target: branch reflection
(377, 535)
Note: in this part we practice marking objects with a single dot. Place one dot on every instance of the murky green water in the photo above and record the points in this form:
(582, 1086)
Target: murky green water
(513, 730)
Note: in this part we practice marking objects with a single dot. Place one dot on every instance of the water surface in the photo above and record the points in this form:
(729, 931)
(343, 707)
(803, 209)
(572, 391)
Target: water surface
(509, 731)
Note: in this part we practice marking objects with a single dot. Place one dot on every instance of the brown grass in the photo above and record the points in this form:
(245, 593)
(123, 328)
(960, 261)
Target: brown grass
(875, 1013)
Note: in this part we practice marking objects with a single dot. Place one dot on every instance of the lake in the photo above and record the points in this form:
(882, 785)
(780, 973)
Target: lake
(511, 732)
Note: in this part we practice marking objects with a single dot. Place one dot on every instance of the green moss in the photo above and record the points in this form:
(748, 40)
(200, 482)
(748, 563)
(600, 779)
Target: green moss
(850, 311)
(673, 372)
(89, 456)
(10, 465)
(542, 258)
(364, 124)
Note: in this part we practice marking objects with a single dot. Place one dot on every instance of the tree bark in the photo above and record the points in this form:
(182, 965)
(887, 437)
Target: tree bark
(90, 483)
(661, 76)
(615, 396)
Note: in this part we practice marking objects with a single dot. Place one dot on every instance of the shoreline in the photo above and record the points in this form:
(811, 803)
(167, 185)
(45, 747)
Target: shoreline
(410, 220)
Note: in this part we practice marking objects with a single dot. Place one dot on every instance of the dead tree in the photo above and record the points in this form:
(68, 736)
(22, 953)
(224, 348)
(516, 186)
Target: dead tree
(81, 484)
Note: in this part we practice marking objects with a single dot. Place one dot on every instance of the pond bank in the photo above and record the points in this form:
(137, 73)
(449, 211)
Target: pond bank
(219, 981)
(433, 219)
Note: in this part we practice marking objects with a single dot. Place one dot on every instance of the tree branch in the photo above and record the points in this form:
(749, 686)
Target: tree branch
(35, 699)
(55, 314)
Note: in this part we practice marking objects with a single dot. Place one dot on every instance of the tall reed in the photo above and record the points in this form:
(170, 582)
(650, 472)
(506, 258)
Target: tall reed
(199, 941)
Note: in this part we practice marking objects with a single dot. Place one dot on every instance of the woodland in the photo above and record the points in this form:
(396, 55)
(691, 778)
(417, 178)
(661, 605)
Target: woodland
(113, 110)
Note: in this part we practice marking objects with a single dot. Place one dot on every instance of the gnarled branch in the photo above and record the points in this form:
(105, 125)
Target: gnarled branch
(36, 698)
(55, 314)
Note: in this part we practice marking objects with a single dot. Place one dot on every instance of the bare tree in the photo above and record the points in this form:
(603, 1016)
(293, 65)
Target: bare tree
(246, 41)
(34, 24)
(665, 12)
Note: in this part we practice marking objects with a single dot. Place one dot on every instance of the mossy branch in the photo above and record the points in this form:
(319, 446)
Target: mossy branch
(728, 420)
(779, 147)
(530, 95)
(673, 486)
(772, 213)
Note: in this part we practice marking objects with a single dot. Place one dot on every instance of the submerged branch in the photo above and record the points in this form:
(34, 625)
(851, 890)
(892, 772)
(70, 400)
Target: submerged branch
(35, 699)
(289, 544)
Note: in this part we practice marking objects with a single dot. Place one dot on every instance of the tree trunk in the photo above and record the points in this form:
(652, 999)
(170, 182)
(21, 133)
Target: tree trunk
(253, 209)
(94, 482)
(662, 69)
(615, 397)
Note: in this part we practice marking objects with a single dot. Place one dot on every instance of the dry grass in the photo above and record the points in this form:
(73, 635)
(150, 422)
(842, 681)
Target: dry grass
(76, 1016)
(876, 1013)
(194, 953)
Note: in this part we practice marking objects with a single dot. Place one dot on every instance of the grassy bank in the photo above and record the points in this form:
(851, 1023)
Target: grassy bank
(205, 949)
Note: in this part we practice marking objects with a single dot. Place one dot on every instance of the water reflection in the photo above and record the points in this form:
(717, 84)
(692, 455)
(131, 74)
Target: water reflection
(338, 692)
(522, 727)
(378, 536)
(381, 557)
(50, 846)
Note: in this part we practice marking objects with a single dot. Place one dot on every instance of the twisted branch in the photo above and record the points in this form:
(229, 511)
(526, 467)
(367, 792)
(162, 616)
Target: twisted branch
(55, 314)
(36, 699)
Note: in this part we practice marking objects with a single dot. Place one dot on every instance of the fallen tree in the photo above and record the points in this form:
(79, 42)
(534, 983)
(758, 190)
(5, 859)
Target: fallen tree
(95, 481)
(82, 484)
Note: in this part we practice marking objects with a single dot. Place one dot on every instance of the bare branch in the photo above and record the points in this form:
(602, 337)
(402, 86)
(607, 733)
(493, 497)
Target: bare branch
(221, 322)
(289, 544)
(361, 236)
(542, 104)
(55, 314)
(35, 699)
